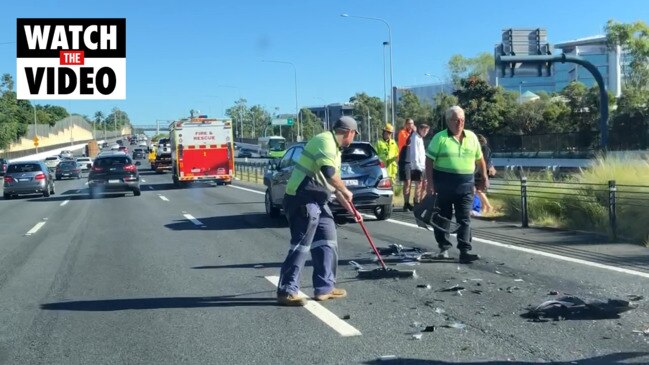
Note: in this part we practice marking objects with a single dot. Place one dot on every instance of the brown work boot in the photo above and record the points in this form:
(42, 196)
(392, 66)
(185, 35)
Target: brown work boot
(292, 300)
(334, 294)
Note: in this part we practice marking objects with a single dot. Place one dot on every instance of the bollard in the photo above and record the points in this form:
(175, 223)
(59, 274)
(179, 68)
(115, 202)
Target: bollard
(612, 211)
(255, 174)
(524, 217)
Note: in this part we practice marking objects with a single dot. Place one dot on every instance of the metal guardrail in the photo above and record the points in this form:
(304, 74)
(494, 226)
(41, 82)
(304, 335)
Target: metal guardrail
(610, 196)
(251, 171)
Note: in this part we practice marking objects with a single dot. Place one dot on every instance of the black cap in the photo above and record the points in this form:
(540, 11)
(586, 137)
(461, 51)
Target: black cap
(346, 122)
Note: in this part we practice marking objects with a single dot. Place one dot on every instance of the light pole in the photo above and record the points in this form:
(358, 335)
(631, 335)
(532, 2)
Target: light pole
(297, 111)
(385, 91)
(240, 109)
(520, 92)
(326, 113)
(391, 66)
(35, 134)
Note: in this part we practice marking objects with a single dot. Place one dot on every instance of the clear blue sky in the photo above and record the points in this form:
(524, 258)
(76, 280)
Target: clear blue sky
(181, 54)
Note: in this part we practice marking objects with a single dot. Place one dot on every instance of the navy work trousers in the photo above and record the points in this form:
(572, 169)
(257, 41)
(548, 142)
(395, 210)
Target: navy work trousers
(312, 230)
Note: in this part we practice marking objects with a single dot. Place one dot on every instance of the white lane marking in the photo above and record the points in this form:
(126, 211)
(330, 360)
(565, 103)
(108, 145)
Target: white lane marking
(65, 202)
(163, 198)
(323, 314)
(193, 220)
(522, 249)
(38, 226)
(543, 253)
(246, 189)
(150, 187)
(78, 191)
(86, 183)
(143, 180)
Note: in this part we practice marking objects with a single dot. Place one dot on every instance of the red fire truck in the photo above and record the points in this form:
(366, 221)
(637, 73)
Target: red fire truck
(201, 150)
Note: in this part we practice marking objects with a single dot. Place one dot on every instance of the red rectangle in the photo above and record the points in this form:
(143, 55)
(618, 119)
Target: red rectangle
(71, 58)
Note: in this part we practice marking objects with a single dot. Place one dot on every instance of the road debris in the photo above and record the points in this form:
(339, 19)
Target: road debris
(519, 280)
(258, 266)
(553, 292)
(510, 289)
(634, 297)
(456, 325)
(454, 288)
(429, 329)
(417, 336)
(346, 316)
(356, 265)
(644, 332)
(439, 311)
(575, 308)
(424, 286)
(387, 358)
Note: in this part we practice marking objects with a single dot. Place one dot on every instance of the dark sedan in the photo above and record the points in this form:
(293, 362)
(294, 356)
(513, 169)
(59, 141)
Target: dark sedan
(138, 154)
(69, 169)
(361, 170)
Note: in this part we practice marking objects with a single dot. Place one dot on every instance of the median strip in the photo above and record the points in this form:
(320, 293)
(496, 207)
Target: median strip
(343, 328)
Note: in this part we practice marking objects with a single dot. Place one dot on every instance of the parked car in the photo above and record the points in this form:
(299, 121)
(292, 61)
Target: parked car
(361, 170)
(113, 171)
(244, 153)
(3, 166)
(28, 177)
(138, 153)
(68, 169)
(52, 161)
(85, 163)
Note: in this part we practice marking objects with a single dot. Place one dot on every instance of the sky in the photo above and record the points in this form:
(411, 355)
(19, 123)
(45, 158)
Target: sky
(204, 55)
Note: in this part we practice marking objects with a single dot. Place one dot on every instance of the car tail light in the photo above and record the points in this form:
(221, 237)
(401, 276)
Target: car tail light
(385, 184)
(130, 168)
(97, 169)
(40, 176)
(9, 179)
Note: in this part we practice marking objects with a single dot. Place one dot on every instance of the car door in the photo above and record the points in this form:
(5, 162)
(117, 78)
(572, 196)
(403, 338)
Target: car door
(281, 176)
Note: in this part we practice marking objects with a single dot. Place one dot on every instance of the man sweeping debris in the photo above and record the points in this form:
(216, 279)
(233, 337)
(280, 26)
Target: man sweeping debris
(315, 177)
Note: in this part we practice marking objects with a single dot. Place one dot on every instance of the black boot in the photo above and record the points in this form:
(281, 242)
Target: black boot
(467, 258)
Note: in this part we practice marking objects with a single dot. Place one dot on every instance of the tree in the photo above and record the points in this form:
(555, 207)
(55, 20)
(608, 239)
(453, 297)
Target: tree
(479, 66)
(258, 120)
(485, 106)
(443, 101)
(117, 119)
(237, 112)
(311, 124)
(410, 106)
(374, 106)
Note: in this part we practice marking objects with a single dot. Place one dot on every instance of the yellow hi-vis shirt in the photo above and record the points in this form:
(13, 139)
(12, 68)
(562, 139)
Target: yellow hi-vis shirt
(307, 179)
(453, 157)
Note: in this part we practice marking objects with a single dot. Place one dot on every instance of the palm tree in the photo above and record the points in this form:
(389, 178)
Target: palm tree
(98, 117)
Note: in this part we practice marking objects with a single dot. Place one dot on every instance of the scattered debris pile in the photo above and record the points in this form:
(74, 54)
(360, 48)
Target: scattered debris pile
(574, 308)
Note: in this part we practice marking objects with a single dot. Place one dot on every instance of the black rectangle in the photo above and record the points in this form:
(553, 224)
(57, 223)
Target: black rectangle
(23, 49)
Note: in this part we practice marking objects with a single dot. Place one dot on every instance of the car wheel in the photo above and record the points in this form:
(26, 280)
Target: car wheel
(383, 212)
(58, 177)
(271, 210)
(6, 196)
(137, 192)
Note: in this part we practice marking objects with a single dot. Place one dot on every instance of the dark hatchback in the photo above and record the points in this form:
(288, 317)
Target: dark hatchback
(113, 172)
(70, 169)
(361, 170)
(138, 154)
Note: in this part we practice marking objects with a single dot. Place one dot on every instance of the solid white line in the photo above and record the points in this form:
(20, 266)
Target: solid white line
(38, 226)
(518, 248)
(193, 220)
(323, 314)
(163, 198)
(246, 189)
(65, 202)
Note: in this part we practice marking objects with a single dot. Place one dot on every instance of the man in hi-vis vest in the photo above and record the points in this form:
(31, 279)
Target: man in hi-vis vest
(315, 177)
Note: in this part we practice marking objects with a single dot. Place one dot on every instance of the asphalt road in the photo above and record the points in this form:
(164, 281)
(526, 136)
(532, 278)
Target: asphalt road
(185, 276)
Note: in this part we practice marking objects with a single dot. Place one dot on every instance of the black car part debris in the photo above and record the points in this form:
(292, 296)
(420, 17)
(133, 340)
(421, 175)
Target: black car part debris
(575, 308)
(383, 271)
(427, 214)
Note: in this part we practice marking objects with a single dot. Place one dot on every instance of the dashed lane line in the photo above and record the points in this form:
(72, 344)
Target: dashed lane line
(35, 229)
(193, 220)
(65, 202)
(343, 328)
(163, 198)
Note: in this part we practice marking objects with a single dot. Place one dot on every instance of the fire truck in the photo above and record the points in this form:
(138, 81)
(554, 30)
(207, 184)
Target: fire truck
(201, 150)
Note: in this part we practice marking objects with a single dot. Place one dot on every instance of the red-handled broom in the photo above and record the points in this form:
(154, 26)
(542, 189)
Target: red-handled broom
(383, 271)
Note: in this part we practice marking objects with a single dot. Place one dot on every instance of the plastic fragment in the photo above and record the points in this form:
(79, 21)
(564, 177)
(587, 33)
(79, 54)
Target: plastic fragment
(258, 266)
(456, 325)
(356, 265)
(417, 336)
(439, 311)
(387, 357)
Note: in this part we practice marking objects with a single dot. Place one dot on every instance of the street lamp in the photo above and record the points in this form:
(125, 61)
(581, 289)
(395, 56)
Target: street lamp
(391, 66)
(385, 91)
(297, 111)
(35, 134)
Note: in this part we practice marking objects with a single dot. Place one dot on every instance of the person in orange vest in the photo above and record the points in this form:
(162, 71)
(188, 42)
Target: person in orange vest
(403, 141)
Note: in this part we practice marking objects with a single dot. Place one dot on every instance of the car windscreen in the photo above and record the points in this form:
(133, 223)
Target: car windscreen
(113, 161)
(68, 164)
(357, 152)
(23, 167)
(51, 158)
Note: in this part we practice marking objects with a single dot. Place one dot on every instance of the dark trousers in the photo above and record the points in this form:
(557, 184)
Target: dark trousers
(462, 201)
(312, 231)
